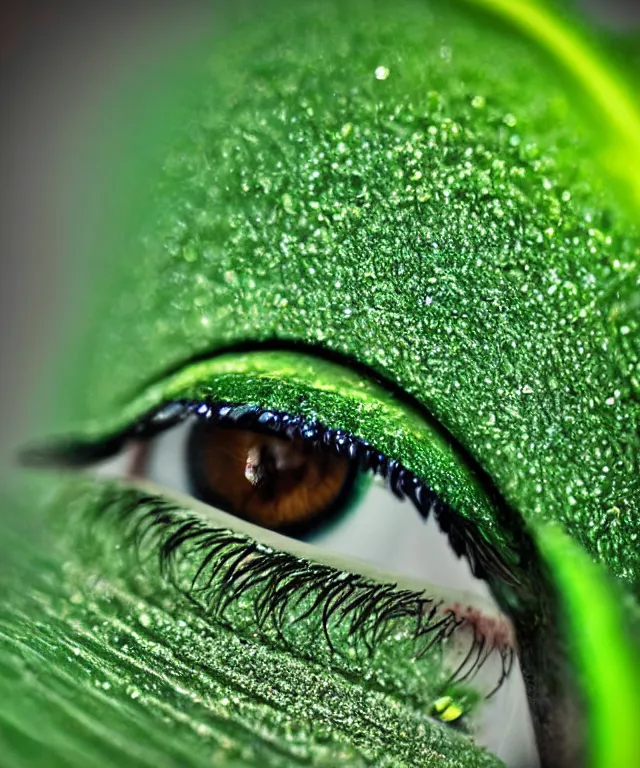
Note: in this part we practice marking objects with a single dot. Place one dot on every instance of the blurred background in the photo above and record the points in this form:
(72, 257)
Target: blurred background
(57, 60)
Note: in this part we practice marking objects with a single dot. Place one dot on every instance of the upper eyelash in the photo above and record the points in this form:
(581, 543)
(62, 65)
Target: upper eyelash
(233, 565)
(464, 536)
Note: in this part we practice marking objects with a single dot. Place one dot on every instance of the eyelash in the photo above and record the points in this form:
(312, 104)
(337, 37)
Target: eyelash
(464, 536)
(231, 566)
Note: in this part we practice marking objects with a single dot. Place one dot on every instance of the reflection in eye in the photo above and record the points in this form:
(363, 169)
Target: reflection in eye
(340, 496)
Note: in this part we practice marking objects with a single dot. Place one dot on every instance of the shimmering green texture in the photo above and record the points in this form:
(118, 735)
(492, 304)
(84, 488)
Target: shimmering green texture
(411, 187)
(119, 669)
(409, 184)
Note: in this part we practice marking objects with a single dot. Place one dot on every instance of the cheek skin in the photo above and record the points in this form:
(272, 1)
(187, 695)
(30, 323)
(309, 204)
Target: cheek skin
(439, 210)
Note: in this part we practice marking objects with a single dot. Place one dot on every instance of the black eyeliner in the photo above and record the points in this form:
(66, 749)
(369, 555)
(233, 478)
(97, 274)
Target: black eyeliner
(463, 534)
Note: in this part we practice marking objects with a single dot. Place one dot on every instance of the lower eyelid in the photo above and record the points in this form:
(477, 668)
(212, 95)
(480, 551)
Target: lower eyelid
(218, 520)
(284, 571)
(207, 523)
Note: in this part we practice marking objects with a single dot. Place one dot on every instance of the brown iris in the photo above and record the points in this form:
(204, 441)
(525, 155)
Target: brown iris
(273, 481)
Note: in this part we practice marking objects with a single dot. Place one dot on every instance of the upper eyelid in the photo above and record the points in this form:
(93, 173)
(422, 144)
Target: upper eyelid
(320, 390)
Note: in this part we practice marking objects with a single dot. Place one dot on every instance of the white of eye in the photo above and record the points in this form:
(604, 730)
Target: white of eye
(389, 534)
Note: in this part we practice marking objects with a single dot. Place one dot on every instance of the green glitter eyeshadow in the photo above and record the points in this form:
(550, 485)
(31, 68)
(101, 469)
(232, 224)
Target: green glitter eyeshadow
(451, 225)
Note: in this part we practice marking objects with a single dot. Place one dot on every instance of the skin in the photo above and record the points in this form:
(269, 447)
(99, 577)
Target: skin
(477, 253)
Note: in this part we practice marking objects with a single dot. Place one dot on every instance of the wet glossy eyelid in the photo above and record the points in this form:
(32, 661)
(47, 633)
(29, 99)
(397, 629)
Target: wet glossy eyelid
(316, 391)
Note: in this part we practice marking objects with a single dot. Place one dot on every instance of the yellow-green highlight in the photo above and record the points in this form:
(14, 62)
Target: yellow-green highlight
(606, 659)
(602, 84)
(447, 710)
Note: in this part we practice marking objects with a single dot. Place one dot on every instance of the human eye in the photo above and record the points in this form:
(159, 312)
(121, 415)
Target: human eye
(324, 533)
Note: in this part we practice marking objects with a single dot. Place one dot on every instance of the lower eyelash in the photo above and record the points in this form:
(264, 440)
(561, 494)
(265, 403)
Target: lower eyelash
(232, 567)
